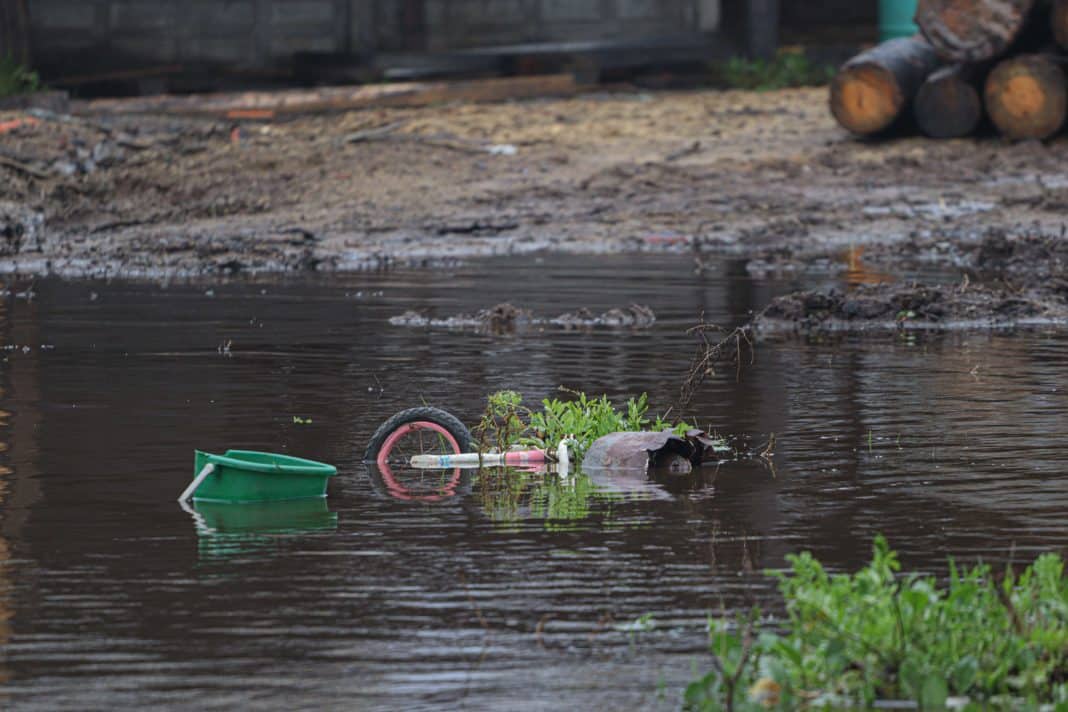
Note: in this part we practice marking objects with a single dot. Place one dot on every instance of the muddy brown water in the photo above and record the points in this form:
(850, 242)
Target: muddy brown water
(112, 596)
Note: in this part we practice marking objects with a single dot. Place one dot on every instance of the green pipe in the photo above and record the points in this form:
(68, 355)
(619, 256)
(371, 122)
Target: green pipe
(896, 18)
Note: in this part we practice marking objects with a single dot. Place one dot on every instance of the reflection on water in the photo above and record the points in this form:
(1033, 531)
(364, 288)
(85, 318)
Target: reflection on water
(513, 495)
(226, 530)
(467, 590)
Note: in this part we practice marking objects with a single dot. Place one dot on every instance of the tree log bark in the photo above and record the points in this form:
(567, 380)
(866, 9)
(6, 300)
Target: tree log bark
(973, 30)
(1027, 96)
(949, 104)
(874, 90)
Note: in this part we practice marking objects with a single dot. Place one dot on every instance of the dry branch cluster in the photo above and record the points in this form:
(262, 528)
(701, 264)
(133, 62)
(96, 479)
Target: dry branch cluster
(1003, 60)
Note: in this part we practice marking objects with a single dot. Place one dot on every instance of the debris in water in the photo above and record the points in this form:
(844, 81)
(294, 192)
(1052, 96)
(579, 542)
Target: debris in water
(664, 452)
(507, 318)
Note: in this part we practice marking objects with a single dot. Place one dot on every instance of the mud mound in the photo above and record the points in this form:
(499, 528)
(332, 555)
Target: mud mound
(506, 318)
(1034, 256)
(896, 306)
(21, 229)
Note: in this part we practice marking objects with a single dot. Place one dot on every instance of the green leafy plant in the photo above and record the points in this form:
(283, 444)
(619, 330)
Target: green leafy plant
(16, 78)
(788, 69)
(851, 639)
(587, 419)
(507, 423)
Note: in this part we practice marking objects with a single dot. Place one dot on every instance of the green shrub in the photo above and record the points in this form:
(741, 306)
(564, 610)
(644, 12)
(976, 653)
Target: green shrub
(853, 639)
(16, 79)
(788, 69)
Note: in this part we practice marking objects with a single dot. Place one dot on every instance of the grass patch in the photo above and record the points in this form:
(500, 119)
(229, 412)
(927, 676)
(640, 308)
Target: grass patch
(16, 78)
(786, 70)
(989, 641)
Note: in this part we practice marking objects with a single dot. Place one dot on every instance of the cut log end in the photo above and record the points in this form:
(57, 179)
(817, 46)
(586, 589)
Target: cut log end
(1027, 97)
(873, 90)
(865, 99)
(948, 105)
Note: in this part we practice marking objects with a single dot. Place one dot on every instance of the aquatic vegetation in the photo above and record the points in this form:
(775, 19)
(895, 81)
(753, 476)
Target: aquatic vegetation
(981, 639)
(16, 78)
(507, 423)
(508, 496)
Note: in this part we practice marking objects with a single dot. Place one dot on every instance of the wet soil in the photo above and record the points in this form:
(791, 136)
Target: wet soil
(913, 306)
(713, 171)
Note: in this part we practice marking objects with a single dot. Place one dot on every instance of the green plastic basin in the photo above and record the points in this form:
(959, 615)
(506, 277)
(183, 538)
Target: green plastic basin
(896, 18)
(245, 476)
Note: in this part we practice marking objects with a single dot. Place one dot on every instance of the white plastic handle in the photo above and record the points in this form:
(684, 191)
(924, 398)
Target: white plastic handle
(192, 488)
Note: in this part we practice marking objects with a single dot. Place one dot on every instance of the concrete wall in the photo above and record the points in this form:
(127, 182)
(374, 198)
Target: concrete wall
(242, 33)
(76, 36)
(468, 23)
(13, 39)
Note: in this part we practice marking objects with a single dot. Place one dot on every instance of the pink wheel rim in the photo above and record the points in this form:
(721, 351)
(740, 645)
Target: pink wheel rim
(399, 491)
(396, 435)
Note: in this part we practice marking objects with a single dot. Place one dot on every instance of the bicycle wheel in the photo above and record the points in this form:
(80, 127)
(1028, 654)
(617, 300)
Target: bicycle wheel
(417, 431)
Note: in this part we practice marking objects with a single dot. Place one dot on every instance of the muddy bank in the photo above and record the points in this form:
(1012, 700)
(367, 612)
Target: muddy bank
(885, 307)
(1025, 256)
(711, 172)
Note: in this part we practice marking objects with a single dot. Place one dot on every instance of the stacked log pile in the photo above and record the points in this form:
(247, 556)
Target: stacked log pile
(1001, 60)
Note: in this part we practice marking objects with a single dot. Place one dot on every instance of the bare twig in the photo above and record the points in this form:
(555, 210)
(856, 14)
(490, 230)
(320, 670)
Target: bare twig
(539, 629)
(474, 604)
(690, 150)
(375, 133)
(23, 168)
(769, 450)
(389, 132)
(730, 349)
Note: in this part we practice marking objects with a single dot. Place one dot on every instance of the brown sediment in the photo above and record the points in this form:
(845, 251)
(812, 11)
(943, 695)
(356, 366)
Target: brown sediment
(154, 197)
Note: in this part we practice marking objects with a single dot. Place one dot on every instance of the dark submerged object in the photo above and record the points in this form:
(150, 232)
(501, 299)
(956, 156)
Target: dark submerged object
(664, 452)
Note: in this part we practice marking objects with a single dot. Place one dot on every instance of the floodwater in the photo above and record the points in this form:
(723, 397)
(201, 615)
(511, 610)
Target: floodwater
(518, 597)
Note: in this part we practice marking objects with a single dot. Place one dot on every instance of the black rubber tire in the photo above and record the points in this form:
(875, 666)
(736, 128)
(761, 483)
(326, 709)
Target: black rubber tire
(414, 415)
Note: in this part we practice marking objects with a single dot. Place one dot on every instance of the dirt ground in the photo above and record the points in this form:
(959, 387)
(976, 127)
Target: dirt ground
(767, 176)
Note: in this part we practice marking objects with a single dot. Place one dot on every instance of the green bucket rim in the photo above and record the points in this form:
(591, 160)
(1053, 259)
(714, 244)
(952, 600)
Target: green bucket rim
(293, 465)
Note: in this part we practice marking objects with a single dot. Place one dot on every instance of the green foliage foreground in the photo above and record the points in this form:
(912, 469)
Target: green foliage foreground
(16, 79)
(980, 641)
